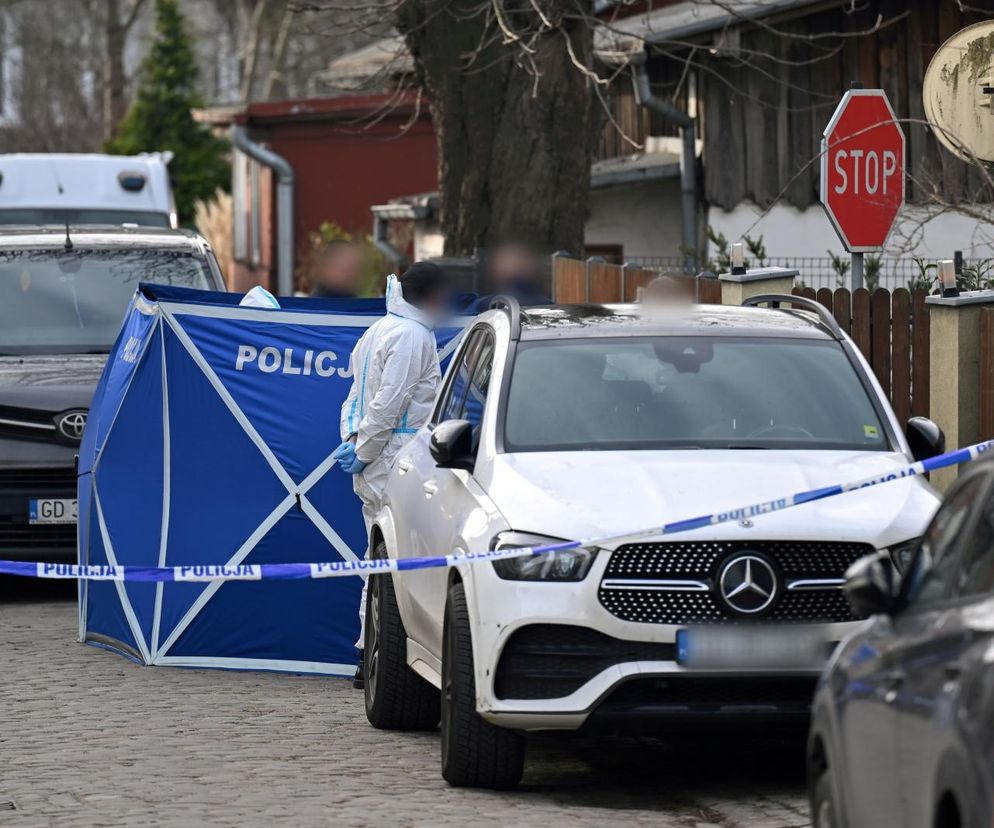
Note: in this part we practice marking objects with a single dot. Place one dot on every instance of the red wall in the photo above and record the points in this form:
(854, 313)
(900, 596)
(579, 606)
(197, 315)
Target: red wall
(341, 171)
(342, 166)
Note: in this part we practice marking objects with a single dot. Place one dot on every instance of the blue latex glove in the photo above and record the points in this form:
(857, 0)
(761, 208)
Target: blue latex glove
(354, 466)
(345, 453)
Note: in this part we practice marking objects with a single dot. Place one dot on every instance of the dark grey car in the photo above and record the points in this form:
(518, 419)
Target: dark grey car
(903, 724)
(61, 306)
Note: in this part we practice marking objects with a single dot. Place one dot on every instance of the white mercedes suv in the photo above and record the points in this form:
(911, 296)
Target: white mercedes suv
(566, 422)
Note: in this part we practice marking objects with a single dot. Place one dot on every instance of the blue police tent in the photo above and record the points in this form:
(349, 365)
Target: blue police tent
(209, 443)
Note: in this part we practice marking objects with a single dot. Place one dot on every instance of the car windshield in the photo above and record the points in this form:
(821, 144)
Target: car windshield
(687, 392)
(72, 301)
(52, 215)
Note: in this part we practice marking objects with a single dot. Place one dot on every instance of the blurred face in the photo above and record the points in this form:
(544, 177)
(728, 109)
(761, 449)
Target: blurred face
(665, 291)
(339, 269)
(513, 264)
(437, 305)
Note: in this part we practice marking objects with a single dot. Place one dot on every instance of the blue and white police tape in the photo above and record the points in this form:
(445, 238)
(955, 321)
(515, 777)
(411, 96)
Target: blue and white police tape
(336, 569)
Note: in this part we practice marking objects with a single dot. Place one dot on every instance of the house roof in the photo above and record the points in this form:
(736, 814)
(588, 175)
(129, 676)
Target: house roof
(693, 17)
(328, 108)
(634, 169)
(385, 57)
(389, 57)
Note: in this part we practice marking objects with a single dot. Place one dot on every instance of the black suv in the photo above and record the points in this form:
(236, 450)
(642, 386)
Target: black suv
(63, 294)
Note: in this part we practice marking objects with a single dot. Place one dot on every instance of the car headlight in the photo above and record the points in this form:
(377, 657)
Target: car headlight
(902, 554)
(563, 565)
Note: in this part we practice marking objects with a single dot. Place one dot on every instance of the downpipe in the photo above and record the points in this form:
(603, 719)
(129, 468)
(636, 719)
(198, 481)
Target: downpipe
(284, 204)
(380, 241)
(688, 155)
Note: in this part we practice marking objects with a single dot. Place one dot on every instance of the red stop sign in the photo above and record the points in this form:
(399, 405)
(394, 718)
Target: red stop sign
(862, 169)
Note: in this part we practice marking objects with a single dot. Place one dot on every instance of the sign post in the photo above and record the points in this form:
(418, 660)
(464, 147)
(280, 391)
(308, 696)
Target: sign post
(862, 173)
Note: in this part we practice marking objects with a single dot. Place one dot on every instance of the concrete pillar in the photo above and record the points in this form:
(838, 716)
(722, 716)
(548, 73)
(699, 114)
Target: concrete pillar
(954, 371)
(737, 287)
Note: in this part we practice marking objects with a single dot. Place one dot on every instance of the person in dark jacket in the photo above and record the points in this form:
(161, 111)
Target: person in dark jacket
(514, 270)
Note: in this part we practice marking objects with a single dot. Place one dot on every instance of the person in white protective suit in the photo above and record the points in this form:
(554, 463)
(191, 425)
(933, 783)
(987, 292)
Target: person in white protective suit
(395, 376)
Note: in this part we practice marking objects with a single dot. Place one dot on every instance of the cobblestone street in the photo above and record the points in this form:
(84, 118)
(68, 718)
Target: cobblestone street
(89, 738)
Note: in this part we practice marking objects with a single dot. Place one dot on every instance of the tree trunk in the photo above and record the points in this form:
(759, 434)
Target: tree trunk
(515, 136)
(252, 50)
(116, 29)
(115, 100)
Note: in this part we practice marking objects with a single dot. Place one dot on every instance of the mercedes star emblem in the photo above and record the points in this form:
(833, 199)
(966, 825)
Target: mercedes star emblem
(748, 584)
(71, 425)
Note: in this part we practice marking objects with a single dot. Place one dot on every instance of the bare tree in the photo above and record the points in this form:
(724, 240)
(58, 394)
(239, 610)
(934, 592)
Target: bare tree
(55, 78)
(509, 86)
(119, 19)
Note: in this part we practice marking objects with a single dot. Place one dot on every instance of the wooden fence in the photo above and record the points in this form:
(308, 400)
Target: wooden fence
(891, 328)
(576, 281)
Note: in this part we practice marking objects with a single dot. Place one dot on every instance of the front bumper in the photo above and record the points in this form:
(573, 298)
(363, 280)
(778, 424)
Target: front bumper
(563, 677)
(561, 656)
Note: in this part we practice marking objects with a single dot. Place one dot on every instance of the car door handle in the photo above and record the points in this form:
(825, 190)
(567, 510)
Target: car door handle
(430, 487)
(891, 682)
(953, 670)
(405, 466)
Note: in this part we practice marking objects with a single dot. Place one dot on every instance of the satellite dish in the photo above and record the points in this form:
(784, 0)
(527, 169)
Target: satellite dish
(958, 93)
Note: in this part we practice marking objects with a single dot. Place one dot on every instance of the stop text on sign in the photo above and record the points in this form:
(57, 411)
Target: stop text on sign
(862, 169)
(868, 175)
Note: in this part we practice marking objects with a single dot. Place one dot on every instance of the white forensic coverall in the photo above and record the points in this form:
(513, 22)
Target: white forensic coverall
(395, 375)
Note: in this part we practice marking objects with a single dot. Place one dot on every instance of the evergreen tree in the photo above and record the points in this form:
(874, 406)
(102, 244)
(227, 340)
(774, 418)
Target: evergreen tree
(160, 117)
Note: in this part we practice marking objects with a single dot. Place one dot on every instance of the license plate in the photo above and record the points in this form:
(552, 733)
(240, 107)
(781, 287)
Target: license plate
(751, 647)
(52, 510)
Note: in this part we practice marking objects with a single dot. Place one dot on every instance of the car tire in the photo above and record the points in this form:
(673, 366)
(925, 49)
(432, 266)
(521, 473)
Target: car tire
(823, 810)
(397, 698)
(475, 753)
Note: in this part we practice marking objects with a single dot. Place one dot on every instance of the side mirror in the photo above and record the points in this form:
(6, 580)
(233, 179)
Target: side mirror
(925, 438)
(451, 445)
(871, 585)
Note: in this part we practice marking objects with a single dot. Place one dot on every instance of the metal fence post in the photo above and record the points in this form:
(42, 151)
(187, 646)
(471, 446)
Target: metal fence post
(856, 272)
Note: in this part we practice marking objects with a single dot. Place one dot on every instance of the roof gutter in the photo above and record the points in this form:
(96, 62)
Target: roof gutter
(688, 154)
(284, 204)
(744, 13)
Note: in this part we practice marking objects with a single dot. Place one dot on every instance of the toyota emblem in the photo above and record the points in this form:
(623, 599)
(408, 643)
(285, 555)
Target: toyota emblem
(71, 424)
(748, 584)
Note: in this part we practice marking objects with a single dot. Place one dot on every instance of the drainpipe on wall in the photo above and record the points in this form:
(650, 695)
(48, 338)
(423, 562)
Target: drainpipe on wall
(284, 204)
(380, 241)
(688, 154)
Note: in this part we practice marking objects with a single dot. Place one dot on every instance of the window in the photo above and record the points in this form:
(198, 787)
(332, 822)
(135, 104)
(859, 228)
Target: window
(58, 215)
(688, 392)
(934, 575)
(976, 570)
(55, 301)
(479, 385)
(463, 399)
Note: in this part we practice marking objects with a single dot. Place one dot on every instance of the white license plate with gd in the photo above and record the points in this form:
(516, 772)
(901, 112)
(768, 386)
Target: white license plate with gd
(46, 510)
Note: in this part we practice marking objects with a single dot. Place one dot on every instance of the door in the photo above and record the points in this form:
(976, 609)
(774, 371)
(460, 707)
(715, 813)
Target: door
(436, 501)
(880, 703)
(867, 729)
(941, 647)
